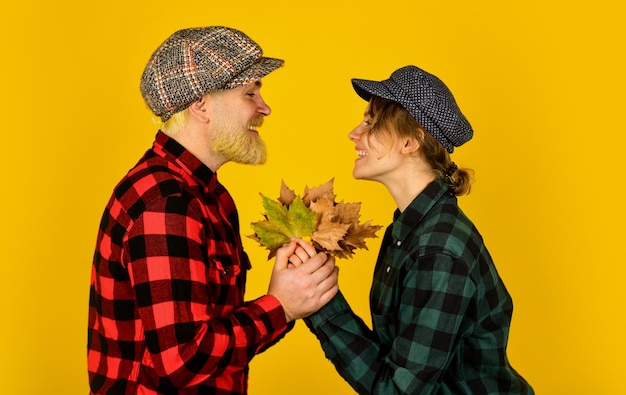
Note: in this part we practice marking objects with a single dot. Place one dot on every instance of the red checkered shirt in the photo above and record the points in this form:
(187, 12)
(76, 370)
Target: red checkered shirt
(167, 312)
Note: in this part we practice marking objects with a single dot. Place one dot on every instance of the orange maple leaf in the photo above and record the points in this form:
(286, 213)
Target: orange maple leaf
(315, 193)
(347, 213)
(336, 231)
(357, 234)
(287, 195)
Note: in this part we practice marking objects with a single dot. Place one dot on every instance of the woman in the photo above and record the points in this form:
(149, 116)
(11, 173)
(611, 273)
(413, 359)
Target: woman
(440, 312)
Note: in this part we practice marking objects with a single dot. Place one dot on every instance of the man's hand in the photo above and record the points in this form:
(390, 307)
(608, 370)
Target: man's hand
(303, 280)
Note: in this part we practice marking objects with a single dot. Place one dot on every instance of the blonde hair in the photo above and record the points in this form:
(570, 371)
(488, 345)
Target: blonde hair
(389, 117)
(175, 123)
(178, 120)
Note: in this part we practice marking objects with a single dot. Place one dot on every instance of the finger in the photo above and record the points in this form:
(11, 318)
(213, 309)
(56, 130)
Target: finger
(308, 248)
(295, 260)
(324, 271)
(302, 254)
(329, 287)
(329, 281)
(327, 296)
(283, 253)
(315, 262)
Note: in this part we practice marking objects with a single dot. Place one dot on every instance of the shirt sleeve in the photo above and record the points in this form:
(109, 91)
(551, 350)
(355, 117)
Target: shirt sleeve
(193, 323)
(427, 327)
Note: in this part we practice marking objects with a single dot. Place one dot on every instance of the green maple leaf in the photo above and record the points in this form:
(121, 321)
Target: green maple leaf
(283, 222)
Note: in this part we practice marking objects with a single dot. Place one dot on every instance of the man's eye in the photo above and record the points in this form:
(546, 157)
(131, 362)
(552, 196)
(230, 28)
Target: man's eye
(251, 94)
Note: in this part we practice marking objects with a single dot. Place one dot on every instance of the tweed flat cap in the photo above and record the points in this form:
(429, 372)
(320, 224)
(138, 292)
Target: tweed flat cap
(194, 62)
(426, 98)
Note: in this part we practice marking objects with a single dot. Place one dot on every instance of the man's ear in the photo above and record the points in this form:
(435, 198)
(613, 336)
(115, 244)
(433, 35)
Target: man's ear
(198, 109)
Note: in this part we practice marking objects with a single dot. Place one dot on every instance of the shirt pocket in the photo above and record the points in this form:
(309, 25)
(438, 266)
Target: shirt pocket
(224, 285)
(385, 326)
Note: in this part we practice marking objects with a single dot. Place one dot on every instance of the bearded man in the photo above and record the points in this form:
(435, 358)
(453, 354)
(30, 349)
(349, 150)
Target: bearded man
(167, 313)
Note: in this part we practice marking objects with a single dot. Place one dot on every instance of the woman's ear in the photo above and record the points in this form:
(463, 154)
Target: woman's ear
(411, 145)
(198, 109)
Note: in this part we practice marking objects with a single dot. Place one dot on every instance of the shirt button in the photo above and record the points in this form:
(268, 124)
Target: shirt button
(226, 271)
(388, 269)
(399, 243)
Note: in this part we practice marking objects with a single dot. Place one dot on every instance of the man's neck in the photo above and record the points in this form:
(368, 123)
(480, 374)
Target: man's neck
(196, 140)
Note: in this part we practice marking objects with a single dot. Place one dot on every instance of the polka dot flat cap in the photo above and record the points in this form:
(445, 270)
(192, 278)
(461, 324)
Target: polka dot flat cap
(426, 98)
(194, 62)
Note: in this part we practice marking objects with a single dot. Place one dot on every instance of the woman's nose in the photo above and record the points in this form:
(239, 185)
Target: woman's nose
(355, 134)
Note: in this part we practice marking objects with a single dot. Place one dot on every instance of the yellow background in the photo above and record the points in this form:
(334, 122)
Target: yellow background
(541, 81)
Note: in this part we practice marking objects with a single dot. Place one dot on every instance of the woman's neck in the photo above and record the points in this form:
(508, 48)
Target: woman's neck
(405, 188)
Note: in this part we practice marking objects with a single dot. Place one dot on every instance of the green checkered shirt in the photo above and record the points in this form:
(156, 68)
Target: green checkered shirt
(440, 312)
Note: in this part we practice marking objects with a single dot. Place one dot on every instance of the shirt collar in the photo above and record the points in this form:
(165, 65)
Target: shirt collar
(404, 222)
(172, 150)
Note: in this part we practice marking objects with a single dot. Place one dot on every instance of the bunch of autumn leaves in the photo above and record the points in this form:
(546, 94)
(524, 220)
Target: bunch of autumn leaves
(332, 227)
